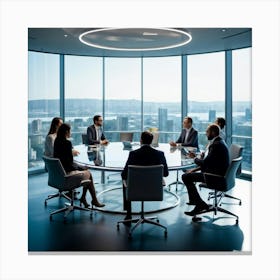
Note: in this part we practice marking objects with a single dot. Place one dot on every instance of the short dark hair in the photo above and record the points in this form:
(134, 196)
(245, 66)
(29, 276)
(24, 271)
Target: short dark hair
(63, 129)
(147, 137)
(189, 119)
(221, 122)
(214, 128)
(95, 118)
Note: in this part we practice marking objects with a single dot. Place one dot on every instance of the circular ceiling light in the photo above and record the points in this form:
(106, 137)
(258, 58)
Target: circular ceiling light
(135, 39)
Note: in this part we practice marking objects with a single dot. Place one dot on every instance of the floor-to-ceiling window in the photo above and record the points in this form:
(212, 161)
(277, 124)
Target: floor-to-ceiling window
(206, 90)
(43, 102)
(242, 104)
(162, 96)
(83, 93)
(122, 97)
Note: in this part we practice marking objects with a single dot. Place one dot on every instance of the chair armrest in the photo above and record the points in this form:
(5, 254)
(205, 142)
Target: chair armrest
(214, 181)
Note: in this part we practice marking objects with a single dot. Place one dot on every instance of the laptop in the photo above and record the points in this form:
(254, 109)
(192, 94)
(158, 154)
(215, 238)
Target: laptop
(127, 145)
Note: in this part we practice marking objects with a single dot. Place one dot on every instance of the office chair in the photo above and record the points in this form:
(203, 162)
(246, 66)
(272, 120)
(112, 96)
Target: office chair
(144, 183)
(235, 151)
(220, 185)
(57, 178)
(84, 138)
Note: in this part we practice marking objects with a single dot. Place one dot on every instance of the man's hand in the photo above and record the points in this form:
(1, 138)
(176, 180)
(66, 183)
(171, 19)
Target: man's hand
(173, 144)
(75, 152)
(104, 142)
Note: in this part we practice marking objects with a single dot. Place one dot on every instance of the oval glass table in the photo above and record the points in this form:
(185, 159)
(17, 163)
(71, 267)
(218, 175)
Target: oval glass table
(112, 158)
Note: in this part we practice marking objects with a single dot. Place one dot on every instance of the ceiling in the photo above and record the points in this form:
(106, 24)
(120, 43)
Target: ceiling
(204, 40)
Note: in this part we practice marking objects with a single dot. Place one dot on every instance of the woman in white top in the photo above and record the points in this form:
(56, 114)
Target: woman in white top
(49, 143)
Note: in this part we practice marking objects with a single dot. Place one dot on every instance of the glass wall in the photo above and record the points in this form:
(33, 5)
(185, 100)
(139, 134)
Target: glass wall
(131, 85)
(162, 96)
(242, 104)
(122, 97)
(206, 90)
(43, 102)
(83, 93)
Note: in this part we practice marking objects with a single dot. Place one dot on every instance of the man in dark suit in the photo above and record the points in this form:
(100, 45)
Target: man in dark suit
(216, 161)
(188, 136)
(95, 133)
(146, 155)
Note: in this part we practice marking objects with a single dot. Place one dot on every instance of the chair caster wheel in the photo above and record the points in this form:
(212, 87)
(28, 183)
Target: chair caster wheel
(118, 227)
(50, 217)
(196, 219)
(165, 234)
(158, 220)
(236, 222)
(45, 203)
(240, 203)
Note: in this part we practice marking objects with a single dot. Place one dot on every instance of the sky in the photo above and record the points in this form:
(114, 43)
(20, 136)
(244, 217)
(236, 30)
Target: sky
(161, 77)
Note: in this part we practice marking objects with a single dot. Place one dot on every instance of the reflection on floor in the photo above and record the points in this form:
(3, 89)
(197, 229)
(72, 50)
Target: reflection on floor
(82, 234)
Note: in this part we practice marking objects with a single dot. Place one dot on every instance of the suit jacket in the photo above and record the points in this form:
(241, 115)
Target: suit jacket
(63, 150)
(92, 137)
(217, 160)
(145, 156)
(192, 140)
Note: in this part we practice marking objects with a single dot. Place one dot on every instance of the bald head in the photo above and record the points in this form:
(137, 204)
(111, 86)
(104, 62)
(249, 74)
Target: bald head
(212, 131)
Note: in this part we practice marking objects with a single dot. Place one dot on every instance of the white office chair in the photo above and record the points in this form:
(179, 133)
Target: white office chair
(60, 180)
(144, 183)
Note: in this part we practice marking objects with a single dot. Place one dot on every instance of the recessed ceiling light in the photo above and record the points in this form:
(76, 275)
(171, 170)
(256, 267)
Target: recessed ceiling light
(65, 35)
(224, 30)
(164, 38)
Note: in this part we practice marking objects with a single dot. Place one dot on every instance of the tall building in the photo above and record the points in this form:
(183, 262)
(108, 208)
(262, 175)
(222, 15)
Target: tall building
(36, 126)
(212, 115)
(122, 123)
(162, 119)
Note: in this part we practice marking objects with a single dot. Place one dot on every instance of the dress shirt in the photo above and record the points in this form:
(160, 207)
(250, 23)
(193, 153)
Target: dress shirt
(187, 135)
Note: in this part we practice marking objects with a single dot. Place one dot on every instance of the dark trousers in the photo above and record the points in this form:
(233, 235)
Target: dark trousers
(126, 203)
(189, 179)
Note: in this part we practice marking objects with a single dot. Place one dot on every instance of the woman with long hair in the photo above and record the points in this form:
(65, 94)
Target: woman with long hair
(63, 151)
(49, 142)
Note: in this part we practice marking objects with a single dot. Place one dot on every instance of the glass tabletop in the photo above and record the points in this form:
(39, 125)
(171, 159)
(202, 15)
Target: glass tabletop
(112, 157)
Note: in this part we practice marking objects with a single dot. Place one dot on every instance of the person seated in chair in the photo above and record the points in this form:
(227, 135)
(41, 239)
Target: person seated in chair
(221, 122)
(95, 133)
(216, 162)
(188, 136)
(144, 156)
(63, 151)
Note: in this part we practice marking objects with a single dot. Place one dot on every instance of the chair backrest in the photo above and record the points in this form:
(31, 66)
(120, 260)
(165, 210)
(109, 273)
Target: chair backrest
(231, 173)
(144, 183)
(85, 139)
(235, 151)
(56, 172)
(155, 139)
(126, 136)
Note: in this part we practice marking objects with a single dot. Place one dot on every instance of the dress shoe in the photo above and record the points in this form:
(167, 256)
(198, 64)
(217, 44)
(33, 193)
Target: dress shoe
(97, 204)
(197, 209)
(191, 203)
(84, 201)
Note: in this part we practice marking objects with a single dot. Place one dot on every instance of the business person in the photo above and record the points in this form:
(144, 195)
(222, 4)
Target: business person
(216, 162)
(95, 133)
(63, 151)
(221, 122)
(49, 141)
(188, 136)
(144, 156)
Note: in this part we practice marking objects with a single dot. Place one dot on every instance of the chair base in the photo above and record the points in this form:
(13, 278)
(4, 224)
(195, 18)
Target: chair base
(215, 209)
(68, 209)
(142, 220)
(60, 194)
(221, 195)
